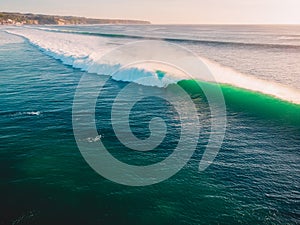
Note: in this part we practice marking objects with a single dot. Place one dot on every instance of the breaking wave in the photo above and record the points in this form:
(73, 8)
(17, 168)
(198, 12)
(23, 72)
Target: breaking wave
(78, 51)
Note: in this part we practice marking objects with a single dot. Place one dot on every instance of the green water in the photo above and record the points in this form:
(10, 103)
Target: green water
(255, 103)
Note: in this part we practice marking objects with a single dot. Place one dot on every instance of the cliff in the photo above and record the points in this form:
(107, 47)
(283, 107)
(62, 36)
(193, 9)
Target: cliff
(7, 18)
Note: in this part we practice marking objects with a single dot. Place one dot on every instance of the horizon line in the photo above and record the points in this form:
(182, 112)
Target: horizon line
(151, 23)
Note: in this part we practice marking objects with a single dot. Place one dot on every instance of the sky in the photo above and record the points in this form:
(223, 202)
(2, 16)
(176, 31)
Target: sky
(168, 11)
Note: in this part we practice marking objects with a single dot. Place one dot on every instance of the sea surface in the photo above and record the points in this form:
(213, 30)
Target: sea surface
(254, 179)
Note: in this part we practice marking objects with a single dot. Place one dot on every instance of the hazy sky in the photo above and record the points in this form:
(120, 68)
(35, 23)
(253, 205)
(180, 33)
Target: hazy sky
(168, 11)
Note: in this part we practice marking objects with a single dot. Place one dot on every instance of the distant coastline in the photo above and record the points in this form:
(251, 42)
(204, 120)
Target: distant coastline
(10, 18)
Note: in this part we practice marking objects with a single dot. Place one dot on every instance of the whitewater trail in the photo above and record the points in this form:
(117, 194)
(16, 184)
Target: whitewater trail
(84, 52)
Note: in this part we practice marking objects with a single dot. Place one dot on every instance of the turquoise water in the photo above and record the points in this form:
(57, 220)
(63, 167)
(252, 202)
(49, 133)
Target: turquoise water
(45, 180)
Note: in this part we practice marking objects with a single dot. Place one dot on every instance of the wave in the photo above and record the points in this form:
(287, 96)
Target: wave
(79, 51)
(230, 76)
(207, 42)
(30, 113)
(247, 101)
(290, 37)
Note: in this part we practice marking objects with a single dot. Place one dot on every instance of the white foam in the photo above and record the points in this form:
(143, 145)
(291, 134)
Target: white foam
(82, 51)
(289, 38)
(33, 113)
(93, 139)
(226, 75)
(37, 113)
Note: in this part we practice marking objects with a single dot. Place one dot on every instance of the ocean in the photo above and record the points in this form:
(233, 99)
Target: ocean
(254, 177)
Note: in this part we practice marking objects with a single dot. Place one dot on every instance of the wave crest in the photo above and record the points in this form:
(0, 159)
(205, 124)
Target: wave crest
(79, 51)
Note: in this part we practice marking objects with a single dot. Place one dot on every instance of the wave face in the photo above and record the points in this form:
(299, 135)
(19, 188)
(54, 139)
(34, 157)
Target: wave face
(79, 51)
(241, 100)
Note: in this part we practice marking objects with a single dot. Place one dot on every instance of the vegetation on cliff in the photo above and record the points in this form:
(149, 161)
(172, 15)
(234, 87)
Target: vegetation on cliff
(29, 18)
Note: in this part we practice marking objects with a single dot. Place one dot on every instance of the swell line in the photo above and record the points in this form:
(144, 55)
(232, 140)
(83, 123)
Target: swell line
(207, 42)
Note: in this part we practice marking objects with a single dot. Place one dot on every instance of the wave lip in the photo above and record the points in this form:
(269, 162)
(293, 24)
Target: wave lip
(232, 77)
(79, 52)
